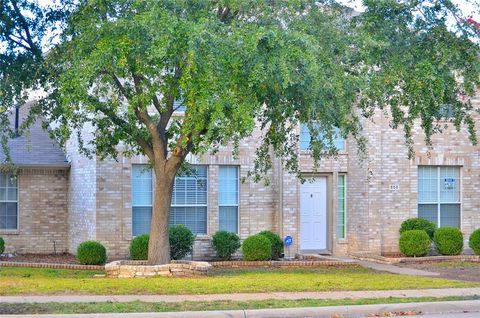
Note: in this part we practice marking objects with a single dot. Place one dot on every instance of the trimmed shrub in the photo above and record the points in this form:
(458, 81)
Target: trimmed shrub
(473, 242)
(139, 247)
(414, 243)
(418, 224)
(448, 240)
(225, 244)
(2, 245)
(257, 248)
(181, 241)
(91, 253)
(277, 243)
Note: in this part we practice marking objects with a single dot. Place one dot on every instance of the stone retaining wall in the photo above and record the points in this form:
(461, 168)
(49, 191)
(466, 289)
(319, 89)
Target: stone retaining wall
(129, 269)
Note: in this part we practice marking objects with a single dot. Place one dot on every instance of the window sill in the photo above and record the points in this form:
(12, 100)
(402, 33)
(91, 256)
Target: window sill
(203, 237)
(309, 152)
(9, 232)
(342, 241)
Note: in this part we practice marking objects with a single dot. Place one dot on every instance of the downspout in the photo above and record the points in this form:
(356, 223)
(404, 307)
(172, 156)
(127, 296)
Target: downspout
(17, 115)
(280, 199)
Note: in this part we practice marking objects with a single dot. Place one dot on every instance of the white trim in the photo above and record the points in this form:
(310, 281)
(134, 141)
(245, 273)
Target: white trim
(438, 203)
(17, 188)
(344, 175)
(238, 197)
(207, 181)
(131, 193)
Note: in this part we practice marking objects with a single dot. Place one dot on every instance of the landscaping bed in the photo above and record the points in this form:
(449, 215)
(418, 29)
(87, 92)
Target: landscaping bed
(63, 258)
(457, 269)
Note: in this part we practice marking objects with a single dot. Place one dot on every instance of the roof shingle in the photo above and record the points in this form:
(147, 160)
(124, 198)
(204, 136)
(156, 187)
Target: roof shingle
(35, 147)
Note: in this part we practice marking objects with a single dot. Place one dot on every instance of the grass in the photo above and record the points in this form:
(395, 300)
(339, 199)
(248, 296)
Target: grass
(137, 306)
(32, 281)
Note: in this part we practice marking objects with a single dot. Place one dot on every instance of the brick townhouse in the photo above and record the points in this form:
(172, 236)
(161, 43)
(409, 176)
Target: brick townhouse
(60, 199)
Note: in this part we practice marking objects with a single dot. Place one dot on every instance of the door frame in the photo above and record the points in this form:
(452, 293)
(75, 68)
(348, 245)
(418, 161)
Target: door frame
(329, 203)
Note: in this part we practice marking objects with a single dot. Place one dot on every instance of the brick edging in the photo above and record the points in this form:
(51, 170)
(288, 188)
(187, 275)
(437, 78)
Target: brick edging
(424, 259)
(279, 263)
(52, 265)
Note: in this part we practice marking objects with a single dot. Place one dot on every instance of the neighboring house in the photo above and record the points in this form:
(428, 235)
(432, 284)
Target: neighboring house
(352, 206)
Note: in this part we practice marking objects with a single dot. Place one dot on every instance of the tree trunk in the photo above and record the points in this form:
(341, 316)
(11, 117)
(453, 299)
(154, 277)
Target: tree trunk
(159, 245)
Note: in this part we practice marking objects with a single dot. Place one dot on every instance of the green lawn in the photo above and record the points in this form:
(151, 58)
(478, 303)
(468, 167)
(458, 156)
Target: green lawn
(109, 307)
(30, 281)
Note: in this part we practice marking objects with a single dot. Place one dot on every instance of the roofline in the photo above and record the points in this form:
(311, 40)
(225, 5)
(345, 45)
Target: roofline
(64, 166)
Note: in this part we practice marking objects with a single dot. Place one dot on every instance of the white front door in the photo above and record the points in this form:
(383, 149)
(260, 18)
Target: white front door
(313, 215)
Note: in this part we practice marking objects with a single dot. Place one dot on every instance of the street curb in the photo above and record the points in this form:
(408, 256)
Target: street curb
(451, 307)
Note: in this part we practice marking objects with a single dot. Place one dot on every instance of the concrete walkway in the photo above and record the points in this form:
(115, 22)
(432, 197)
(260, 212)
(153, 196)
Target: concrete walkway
(397, 269)
(463, 309)
(363, 294)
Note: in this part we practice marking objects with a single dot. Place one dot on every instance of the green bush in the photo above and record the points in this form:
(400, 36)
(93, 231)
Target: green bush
(414, 243)
(139, 247)
(225, 244)
(418, 224)
(277, 243)
(257, 248)
(473, 242)
(181, 241)
(91, 253)
(2, 245)
(448, 240)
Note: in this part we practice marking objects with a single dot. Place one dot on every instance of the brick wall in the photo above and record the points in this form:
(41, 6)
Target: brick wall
(43, 216)
(93, 200)
(81, 197)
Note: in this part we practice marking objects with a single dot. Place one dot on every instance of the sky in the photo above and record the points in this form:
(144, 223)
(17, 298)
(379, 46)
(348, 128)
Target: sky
(469, 8)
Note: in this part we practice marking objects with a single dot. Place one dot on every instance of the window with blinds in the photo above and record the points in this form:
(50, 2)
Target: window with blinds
(341, 207)
(305, 138)
(8, 202)
(228, 198)
(189, 200)
(439, 195)
(141, 199)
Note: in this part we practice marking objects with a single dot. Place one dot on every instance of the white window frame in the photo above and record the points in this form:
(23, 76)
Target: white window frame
(344, 175)
(336, 138)
(197, 205)
(144, 166)
(438, 203)
(17, 188)
(238, 197)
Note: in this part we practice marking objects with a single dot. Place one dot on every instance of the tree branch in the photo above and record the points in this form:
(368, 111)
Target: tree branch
(120, 87)
(142, 114)
(146, 147)
(33, 48)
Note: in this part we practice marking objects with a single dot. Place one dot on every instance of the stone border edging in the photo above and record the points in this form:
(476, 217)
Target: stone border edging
(186, 264)
(425, 259)
(52, 266)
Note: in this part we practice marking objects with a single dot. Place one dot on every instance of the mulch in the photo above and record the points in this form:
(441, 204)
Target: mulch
(63, 258)
(455, 272)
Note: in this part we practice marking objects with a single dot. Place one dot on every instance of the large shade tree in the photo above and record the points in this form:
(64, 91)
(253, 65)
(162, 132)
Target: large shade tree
(121, 67)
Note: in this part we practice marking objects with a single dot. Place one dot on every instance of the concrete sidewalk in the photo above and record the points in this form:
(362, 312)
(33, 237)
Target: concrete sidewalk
(397, 269)
(463, 309)
(247, 297)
